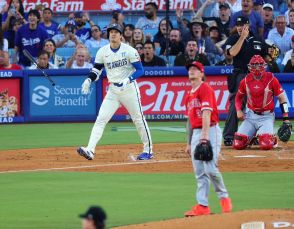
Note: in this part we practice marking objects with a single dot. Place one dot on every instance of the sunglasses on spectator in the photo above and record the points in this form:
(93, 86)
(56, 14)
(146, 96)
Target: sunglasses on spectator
(139, 47)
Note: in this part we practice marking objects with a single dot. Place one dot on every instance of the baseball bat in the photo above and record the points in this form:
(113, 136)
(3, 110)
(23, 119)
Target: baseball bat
(31, 58)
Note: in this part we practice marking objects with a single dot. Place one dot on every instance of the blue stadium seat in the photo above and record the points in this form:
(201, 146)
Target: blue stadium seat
(11, 53)
(93, 52)
(65, 52)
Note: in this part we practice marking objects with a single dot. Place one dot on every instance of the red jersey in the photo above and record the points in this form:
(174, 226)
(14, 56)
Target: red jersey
(203, 98)
(13, 67)
(260, 93)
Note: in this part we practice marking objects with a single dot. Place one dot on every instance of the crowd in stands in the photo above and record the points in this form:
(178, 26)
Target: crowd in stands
(160, 42)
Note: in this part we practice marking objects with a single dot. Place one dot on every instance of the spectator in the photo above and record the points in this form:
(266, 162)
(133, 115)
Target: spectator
(281, 35)
(257, 5)
(268, 18)
(3, 42)
(149, 58)
(118, 17)
(80, 59)
(80, 21)
(40, 8)
(204, 43)
(215, 36)
(255, 19)
(67, 39)
(175, 44)
(191, 54)
(288, 53)
(291, 19)
(94, 218)
(228, 61)
(15, 12)
(128, 33)
(271, 64)
(4, 62)
(138, 37)
(43, 61)
(151, 20)
(234, 6)
(28, 33)
(290, 64)
(290, 4)
(96, 41)
(50, 47)
(162, 33)
(48, 24)
(140, 48)
(222, 19)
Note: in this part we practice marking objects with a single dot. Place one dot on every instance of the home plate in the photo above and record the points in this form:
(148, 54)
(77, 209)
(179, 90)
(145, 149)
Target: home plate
(249, 156)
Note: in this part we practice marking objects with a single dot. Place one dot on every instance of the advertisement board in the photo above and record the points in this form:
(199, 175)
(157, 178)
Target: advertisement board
(65, 99)
(10, 100)
(164, 97)
(106, 5)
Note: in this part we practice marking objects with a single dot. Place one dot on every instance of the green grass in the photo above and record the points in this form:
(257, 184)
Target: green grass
(74, 134)
(50, 200)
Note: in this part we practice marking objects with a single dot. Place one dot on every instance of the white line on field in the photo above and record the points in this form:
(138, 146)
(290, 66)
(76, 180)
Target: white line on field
(92, 166)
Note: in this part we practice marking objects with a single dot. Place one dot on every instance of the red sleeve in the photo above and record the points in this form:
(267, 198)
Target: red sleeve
(240, 95)
(277, 88)
(186, 102)
(207, 97)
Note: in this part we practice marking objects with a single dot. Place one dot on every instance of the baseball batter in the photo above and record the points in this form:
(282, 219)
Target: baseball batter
(260, 87)
(123, 66)
(203, 127)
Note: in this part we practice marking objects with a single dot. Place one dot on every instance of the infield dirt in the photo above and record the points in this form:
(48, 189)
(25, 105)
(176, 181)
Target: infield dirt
(169, 158)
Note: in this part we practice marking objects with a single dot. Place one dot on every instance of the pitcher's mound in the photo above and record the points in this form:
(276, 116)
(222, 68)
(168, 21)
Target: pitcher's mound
(272, 218)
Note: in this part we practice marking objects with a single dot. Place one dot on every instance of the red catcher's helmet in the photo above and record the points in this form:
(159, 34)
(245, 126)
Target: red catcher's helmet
(257, 65)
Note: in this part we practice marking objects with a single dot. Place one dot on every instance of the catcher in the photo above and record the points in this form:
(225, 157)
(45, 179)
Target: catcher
(204, 141)
(260, 87)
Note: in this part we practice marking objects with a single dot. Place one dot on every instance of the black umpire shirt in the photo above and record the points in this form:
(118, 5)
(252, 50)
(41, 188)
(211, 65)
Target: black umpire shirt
(251, 46)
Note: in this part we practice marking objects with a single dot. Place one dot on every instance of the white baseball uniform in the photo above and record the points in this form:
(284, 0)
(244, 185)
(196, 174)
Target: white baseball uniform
(118, 66)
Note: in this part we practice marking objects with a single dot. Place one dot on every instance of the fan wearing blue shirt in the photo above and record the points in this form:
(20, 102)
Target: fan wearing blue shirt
(48, 24)
(30, 37)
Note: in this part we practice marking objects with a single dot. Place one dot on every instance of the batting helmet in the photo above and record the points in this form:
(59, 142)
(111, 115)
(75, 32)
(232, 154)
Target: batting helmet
(114, 26)
(266, 141)
(257, 65)
(241, 141)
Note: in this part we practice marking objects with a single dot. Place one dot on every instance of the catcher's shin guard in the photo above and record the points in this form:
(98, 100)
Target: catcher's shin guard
(241, 141)
(266, 141)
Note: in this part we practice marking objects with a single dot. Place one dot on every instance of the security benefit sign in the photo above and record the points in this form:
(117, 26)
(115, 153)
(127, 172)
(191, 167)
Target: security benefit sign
(64, 99)
(10, 101)
(163, 98)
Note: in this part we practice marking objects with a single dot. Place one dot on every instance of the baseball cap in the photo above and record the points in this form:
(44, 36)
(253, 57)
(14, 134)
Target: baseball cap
(225, 5)
(95, 213)
(242, 20)
(195, 64)
(268, 5)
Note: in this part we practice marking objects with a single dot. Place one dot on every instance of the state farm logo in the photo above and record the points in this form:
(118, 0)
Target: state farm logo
(40, 95)
(110, 5)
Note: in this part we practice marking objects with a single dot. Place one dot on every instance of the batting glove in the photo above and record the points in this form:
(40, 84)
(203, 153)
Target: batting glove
(86, 86)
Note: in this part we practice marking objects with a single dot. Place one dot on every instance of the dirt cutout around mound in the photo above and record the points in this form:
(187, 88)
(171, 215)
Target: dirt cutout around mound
(169, 158)
(272, 218)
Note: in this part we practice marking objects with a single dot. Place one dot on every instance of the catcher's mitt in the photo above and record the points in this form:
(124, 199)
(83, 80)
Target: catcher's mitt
(284, 132)
(203, 151)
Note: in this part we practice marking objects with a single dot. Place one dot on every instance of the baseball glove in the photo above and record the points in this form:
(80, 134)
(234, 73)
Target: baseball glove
(284, 132)
(203, 151)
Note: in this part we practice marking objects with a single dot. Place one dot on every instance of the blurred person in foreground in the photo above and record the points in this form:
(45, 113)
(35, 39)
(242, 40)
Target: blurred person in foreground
(93, 218)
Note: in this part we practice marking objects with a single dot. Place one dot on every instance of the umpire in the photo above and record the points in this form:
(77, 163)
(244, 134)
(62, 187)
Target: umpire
(242, 46)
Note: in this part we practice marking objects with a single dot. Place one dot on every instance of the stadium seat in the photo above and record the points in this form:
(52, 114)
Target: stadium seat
(65, 52)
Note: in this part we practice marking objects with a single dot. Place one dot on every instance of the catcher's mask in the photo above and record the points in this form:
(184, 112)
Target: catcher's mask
(257, 65)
